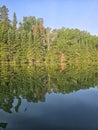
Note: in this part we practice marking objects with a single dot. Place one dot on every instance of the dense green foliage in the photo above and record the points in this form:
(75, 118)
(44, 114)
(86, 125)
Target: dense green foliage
(32, 43)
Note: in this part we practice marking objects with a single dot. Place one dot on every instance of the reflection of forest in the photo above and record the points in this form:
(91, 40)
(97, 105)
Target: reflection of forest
(32, 83)
(3, 125)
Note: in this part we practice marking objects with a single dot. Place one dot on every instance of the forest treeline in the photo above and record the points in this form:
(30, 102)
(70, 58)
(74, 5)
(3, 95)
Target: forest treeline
(30, 42)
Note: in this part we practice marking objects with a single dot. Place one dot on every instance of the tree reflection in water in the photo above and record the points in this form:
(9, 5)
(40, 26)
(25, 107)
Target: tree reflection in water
(32, 83)
(3, 124)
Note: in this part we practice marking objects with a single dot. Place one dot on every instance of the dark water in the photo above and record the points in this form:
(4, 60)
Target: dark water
(35, 98)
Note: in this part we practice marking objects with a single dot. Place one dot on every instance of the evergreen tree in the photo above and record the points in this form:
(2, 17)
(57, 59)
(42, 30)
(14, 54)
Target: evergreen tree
(4, 16)
(14, 22)
(4, 13)
(5, 22)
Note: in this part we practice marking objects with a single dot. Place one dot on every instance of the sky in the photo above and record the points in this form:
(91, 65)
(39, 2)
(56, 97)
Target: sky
(81, 14)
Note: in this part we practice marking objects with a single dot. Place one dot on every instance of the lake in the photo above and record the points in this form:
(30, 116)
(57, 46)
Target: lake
(42, 97)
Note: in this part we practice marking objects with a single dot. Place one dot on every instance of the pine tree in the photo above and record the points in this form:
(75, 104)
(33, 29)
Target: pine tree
(4, 20)
(4, 16)
(14, 22)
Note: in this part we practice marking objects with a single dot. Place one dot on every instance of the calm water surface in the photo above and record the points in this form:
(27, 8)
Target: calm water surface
(42, 98)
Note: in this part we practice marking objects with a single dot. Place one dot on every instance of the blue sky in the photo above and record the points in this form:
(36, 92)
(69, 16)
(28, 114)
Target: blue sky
(81, 14)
